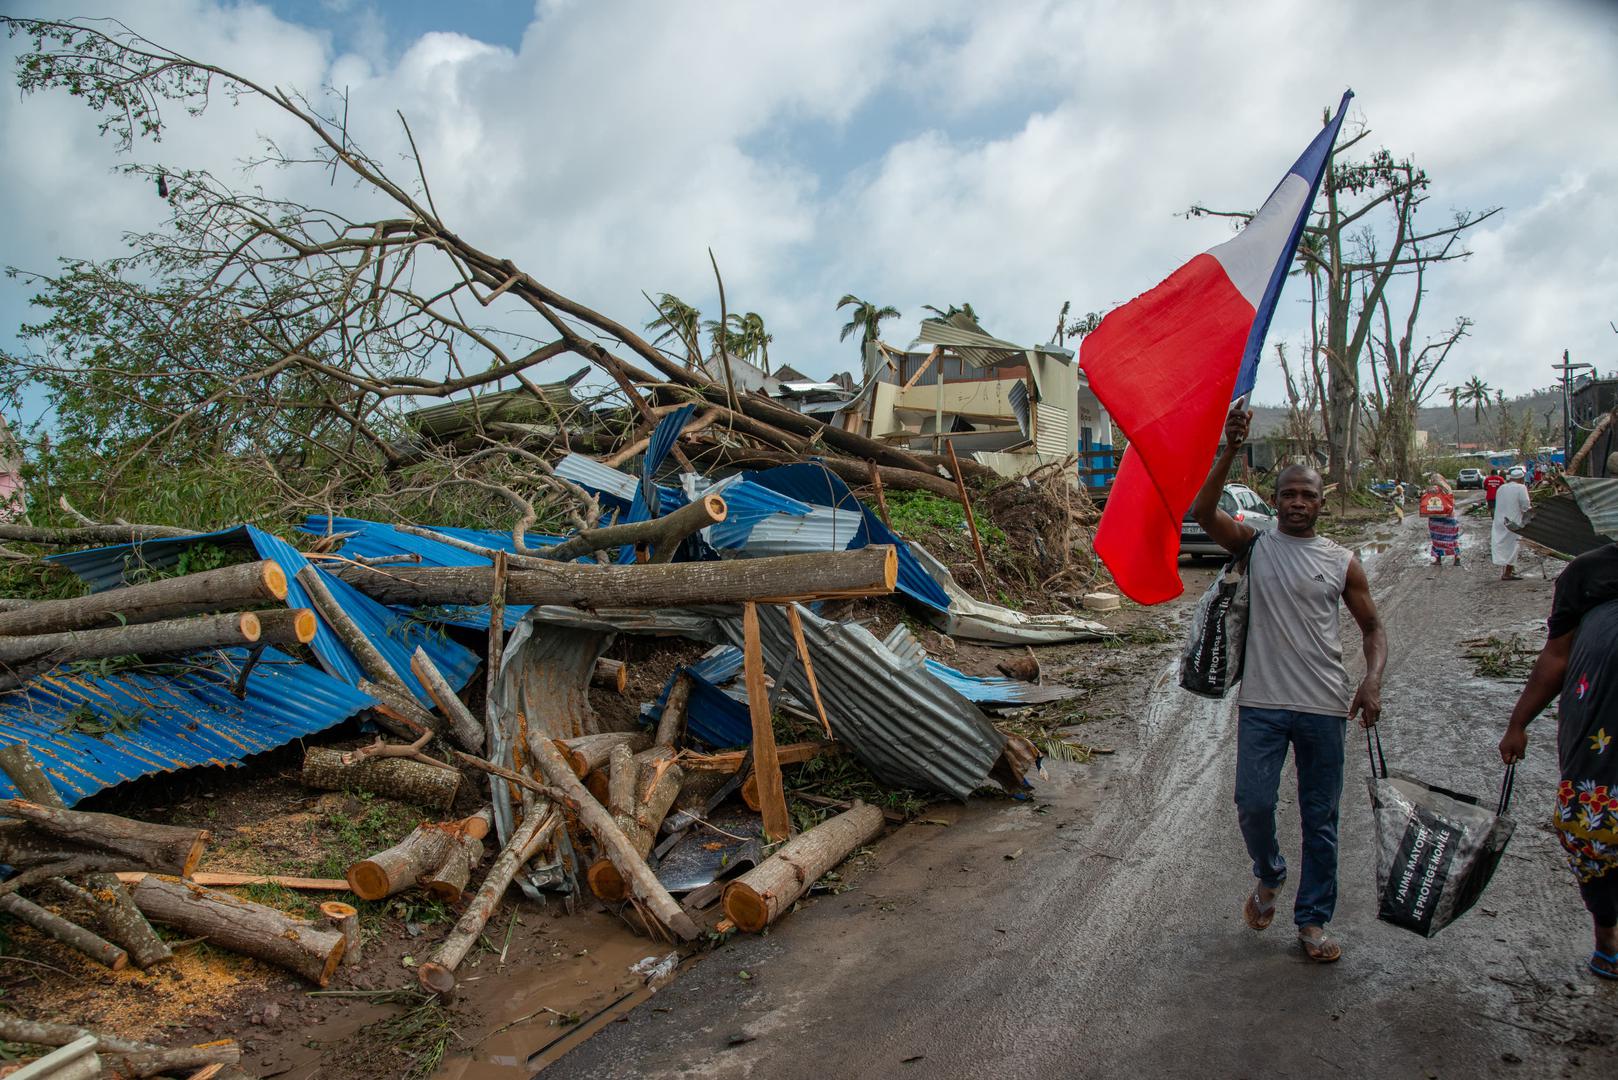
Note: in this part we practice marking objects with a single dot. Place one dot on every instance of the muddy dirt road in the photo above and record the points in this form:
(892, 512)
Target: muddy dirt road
(1112, 943)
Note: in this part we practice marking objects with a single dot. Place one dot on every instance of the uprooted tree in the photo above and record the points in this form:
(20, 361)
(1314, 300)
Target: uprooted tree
(288, 337)
(1366, 236)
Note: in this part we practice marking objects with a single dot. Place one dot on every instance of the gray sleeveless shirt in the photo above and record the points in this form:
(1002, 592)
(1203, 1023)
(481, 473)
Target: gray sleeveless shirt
(1294, 658)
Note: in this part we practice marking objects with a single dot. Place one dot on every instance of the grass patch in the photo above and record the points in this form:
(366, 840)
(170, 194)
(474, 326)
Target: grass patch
(409, 1045)
(913, 511)
(380, 823)
(1498, 656)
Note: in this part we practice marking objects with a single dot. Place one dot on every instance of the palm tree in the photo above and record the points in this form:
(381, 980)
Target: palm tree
(678, 321)
(964, 309)
(1475, 393)
(754, 340)
(733, 338)
(866, 317)
(1455, 407)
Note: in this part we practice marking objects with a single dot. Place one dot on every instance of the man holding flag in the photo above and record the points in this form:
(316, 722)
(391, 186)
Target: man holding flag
(1167, 365)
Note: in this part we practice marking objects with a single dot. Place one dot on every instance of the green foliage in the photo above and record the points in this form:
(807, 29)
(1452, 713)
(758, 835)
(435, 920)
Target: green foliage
(914, 511)
(39, 581)
(380, 823)
(84, 720)
(841, 777)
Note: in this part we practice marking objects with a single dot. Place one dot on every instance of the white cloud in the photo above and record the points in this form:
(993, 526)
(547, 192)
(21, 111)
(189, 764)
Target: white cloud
(618, 142)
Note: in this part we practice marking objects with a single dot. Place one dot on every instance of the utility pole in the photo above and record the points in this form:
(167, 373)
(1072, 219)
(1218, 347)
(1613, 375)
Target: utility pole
(1567, 368)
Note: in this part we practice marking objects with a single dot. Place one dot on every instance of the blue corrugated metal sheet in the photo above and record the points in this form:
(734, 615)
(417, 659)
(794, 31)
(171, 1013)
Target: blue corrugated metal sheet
(995, 690)
(657, 449)
(188, 720)
(747, 505)
(395, 637)
(813, 483)
(712, 717)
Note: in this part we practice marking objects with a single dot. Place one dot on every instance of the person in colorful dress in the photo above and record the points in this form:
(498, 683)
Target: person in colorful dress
(1443, 529)
(1580, 662)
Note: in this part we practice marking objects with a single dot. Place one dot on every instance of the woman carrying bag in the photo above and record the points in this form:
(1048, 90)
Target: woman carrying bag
(1580, 662)
(1443, 528)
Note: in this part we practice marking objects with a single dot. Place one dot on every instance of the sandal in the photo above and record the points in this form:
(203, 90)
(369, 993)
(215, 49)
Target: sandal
(1322, 949)
(1603, 965)
(1256, 913)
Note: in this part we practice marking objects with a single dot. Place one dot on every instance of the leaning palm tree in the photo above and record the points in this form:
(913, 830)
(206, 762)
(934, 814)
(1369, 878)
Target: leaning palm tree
(866, 317)
(678, 321)
(729, 333)
(755, 341)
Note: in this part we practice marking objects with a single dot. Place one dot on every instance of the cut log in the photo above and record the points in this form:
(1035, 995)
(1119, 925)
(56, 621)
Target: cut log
(326, 769)
(643, 884)
(345, 919)
(760, 896)
(639, 823)
(671, 721)
(164, 848)
(399, 711)
(437, 975)
(596, 783)
(448, 882)
(366, 655)
(242, 926)
(621, 780)
(766, 763)
(116, 913)
(611, 675)
(289, 626)
(829, 575)
(588, 752)
(124, 1057)
(66, 931)
(230, 588)
(100, 535)
(412, 859)
(663, 535)
(462, 724)
(145, 639)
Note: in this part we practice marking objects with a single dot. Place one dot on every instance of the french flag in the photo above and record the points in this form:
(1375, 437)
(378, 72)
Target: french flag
(1167, 365)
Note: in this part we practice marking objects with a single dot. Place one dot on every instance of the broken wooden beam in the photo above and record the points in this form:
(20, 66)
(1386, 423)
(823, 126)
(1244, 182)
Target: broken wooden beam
(766, 763)
(867, 571)
(230, 588)
(763, 894)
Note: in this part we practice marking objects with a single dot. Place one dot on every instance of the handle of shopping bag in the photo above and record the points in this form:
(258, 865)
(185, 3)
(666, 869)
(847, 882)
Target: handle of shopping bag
(1377, 757)
(1506, 783)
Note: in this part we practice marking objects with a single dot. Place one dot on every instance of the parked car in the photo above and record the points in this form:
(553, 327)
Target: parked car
(1240, 502)
(1469, 478)
(1383, 487)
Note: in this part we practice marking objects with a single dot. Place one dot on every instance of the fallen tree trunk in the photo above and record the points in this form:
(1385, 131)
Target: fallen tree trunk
(760, 896)
(98, 535)
(462, 724)
(366, 655)
(144, 639)
(229, 588)
(850, 471)
(671, 721)
(117, 914)
(66, 931)
(125, 1057)
(611, 675)
(586, 753)
(643, 884)
(409, 781)
(242, 926)
(399, 711)
(663, 534)
(866, 571)
(164, 848)
(437, 975)
(412, 859)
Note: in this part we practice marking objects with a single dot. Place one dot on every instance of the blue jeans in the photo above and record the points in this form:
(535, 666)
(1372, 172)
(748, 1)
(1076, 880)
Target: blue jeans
(1262, 736)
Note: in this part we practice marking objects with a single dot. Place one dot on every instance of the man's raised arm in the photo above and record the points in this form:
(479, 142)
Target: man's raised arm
(1221, 528)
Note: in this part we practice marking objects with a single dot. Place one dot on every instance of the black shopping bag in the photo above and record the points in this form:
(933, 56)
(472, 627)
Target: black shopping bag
(1212, 657)
(1435, 849)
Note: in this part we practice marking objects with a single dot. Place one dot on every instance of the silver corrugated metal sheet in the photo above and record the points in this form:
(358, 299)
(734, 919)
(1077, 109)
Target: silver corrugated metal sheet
(1558, 524)
(904, 724)
(591, 475)
(903, 644)
(822, 529)
(997, 691)
(1598, 498)
(973, 620)
(968, 341)
(185, 720)
(1051, 424)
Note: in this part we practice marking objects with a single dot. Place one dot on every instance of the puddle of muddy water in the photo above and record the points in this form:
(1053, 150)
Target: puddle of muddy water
(525, 1006)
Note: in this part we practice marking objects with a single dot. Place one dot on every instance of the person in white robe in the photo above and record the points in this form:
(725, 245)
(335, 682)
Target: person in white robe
(1510, 508)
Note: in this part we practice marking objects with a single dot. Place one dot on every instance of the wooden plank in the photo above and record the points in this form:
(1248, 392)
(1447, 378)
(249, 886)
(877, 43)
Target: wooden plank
(766, 764)
(808, 665)
(971, 521)
(225, 879)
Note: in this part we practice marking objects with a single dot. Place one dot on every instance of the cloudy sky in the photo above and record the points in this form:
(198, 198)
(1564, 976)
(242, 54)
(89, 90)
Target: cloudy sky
(1013, 155)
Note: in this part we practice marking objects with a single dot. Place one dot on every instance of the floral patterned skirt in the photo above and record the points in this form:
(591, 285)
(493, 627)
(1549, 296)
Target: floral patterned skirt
(1587, 824)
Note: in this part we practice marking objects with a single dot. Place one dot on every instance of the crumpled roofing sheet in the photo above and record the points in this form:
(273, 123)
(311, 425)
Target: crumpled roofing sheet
(906, 725)
(970, 618)
(186, 720)
(1598, 498)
